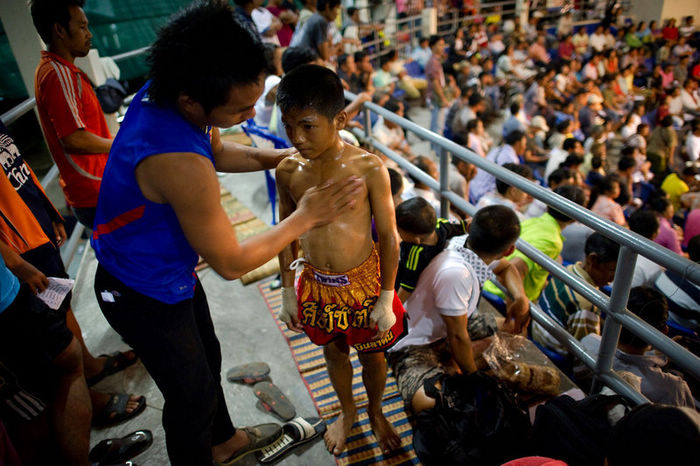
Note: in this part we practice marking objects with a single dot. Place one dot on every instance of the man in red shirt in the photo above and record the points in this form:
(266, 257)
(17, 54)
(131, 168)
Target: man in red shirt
(70, 114)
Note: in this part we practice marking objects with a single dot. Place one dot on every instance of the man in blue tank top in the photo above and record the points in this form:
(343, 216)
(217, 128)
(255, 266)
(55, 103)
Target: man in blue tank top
(159, 208)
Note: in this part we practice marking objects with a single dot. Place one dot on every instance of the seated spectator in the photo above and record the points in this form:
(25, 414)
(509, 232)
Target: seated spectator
(508, 195)
(382, 79)
(349, 76)
(662, 146)
(602, 201)
(544, 233)
(626, 168)
(653, 434)
(314, 33)
(513, 145)
(683, 296)
(692, 142)
(645, 223)
(467, 113)
(692, 226)
(397, 185)
(633, 354)
(536, 155)
(669, 236)
(676, 185)
(569, 308)
(570, 146)
(389, 133)
(420, 189)
(559, 177)
(460, 174)
(421, 54)
(421, 241)
(575, 236)
(596, 173)
(475, 133)
(580, 41)
(538, 51)
(515, 121)
(443, 316)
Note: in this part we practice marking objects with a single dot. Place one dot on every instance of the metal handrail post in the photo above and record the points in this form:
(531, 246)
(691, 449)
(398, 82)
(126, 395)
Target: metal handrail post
(17, 111)
(444, 181)
(624, 271)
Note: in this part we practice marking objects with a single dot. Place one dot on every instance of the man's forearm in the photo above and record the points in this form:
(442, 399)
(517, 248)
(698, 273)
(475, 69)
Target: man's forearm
(237, 158)
(84, 142)
(462, 352)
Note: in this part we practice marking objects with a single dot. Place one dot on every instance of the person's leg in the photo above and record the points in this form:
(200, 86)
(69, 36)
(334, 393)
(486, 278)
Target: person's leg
(71, 412)
(337, 358)
(374, 378)
(167, 339)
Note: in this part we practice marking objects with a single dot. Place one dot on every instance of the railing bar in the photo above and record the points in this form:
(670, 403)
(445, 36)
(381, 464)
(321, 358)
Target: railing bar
(641, 245)
(130, 54)
(17, 111)
(50, 176)
(68, 249)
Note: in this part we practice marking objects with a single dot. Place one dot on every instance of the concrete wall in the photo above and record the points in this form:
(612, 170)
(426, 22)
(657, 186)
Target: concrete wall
(648, 10)
(680, 8)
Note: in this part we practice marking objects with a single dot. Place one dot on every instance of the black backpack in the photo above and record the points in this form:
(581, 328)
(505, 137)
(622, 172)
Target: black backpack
(111, 95)
(574, 431)
(475, 421)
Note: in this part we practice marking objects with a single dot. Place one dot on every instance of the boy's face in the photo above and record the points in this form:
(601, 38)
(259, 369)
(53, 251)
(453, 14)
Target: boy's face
(311, 133)
(601, 273)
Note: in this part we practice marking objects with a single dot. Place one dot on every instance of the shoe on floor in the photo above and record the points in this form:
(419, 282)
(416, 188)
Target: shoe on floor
(260, 436)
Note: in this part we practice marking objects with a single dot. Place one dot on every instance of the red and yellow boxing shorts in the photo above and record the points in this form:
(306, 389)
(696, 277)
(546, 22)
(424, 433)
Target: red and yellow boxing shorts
(335, 304)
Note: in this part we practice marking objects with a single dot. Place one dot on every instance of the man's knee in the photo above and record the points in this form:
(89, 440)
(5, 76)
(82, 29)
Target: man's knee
(70, 360)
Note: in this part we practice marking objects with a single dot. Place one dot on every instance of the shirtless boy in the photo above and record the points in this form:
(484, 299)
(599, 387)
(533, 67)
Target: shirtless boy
(345, 295)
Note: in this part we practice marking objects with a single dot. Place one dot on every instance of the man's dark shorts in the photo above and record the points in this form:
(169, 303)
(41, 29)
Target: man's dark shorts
(32, 335)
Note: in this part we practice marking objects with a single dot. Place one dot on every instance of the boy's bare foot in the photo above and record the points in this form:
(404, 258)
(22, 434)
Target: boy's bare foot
(338, 432)
(387, 437)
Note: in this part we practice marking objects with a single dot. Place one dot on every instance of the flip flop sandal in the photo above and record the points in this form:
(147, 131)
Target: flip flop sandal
(248, 373)
(260, 436)
(296, 432)
(119, 450)
(117, 406)
(273, 400)
(115, 362)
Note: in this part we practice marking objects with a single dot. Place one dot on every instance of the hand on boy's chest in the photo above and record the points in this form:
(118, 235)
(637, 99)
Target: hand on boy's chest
(317, 174)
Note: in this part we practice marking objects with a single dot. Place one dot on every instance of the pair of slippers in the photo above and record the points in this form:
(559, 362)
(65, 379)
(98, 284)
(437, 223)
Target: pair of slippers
(297, 431)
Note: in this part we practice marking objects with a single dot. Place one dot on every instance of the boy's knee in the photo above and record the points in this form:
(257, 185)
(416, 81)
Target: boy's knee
(70, 360)
(336, 352)
(371, 360)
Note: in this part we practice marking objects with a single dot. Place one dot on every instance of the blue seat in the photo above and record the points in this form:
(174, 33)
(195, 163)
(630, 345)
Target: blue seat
(251, 129)
(414, 69)
(495, 300)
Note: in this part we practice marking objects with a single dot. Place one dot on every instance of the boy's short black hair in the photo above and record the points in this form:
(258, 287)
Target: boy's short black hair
(343, 59)
(644, 223)
(311, 86)
(359, 55)
(513, 137)
(396, 181)
(472, 124)
(493, 230)
(187, 57)
(605, 249)
(625, 163)
(627, 151)
(434, 39)
(518, 169)
(649, 305)
(570, 192)
(416, 216)
(570, 143)
(653, 434)
(475, 99)
(393, 105)
(658, 203)
(46, 13)
(323, 4)
(297, 56)
(559, 175)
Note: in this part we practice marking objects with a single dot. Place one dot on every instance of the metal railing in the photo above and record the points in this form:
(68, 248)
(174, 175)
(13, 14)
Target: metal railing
(631, 245)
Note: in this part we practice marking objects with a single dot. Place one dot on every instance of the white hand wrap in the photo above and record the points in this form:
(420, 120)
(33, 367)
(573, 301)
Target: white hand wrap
(383, 313)
(289, 304)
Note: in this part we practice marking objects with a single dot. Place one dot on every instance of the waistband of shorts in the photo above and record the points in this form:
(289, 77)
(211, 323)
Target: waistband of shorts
(366, 270)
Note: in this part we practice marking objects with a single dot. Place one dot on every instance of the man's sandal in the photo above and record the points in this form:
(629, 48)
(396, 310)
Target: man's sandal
(296, 432)
(259, 436)
(248, 373)
(115, 362)
(119, 450)
(273, 400)
(115, 411)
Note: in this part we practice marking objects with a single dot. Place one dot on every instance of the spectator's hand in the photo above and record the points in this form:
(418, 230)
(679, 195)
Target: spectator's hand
(383, 314)
(323, 204)
(290, 311)
(517, 316)
(36, 280)
(60, 231)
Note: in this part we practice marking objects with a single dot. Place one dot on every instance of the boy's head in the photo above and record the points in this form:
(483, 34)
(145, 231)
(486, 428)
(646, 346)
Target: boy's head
(493, 231)
(415, 219)
(644, 223)
(653, 434)
(516, 195)
(560, 177)
(396, 181)
(186, 68)
(312, 114)
(601, 258)
(649, 305)
(294, 57)
(572, 193)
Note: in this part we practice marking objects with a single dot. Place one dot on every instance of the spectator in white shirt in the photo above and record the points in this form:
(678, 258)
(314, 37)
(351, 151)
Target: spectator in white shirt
(598, 40)
(645, 223)
(692, 142)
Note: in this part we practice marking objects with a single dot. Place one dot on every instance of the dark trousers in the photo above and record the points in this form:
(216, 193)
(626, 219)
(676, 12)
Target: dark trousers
(178, 346)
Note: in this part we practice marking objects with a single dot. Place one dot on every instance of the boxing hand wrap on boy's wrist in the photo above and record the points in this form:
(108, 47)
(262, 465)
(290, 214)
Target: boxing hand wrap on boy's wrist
(289, 304)
(383, 313)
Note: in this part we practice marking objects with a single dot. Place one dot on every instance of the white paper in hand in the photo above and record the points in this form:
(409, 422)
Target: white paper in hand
(56, 292)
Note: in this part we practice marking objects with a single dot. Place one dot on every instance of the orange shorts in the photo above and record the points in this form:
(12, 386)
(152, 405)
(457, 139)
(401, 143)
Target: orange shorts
(335, 304)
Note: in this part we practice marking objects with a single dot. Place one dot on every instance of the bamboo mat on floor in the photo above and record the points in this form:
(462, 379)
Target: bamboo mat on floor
(245, 224)
(362, 447)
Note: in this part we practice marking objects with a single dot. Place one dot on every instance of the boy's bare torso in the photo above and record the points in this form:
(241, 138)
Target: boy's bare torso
(347, 242)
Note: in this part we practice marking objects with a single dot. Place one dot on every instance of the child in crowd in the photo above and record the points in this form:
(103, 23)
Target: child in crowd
(345, 294)
(421, 241)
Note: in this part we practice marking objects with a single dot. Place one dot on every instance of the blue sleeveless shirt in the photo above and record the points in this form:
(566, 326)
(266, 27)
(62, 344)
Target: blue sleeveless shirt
(140, 242)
